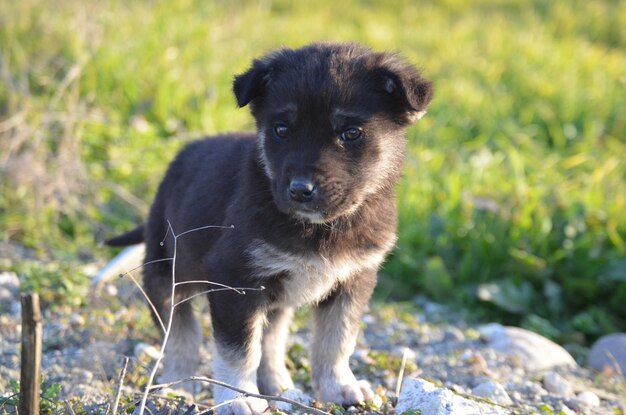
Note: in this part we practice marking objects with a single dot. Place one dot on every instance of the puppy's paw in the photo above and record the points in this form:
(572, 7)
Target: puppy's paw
(274, 382)
(230, 402)
(349, 393)
(243, 406)
(357, 392)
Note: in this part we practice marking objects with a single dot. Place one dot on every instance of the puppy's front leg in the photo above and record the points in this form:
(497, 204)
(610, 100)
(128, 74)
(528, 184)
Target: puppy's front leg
(273, 376)
(237, 328)
(335, 332)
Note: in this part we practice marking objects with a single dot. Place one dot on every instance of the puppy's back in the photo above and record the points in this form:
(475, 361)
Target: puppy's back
(197, 189)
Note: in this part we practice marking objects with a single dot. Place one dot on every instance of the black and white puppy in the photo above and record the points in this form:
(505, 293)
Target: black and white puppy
(312, 200)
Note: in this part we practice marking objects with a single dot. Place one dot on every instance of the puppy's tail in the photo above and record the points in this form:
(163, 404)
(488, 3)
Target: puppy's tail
(129, 238)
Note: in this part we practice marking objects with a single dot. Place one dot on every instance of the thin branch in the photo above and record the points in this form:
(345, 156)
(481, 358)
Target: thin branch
(212, 409)
(69, 407)
(167, 328)
(7, 399)
(169, 399)
(244, 393)
(405, 352)
(120, 382)
(206, 282)
(146, 263)
(615, 365)
(238, 290)
(166, 336)
(154, 310)
(201, 228)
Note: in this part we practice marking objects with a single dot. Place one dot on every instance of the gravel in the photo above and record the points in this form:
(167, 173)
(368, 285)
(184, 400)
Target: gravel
(453, 362)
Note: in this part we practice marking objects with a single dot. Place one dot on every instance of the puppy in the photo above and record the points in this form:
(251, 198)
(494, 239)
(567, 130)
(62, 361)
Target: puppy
(312, 200)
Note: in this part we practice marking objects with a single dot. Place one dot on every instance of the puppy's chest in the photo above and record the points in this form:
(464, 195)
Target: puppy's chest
(309, 278)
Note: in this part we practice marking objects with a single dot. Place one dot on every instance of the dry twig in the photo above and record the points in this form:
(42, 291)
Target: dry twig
(167, 327)
(120, 382)
(243, 393)
(405, 352)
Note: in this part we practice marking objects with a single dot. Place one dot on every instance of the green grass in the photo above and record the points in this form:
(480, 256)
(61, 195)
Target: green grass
(515, 182)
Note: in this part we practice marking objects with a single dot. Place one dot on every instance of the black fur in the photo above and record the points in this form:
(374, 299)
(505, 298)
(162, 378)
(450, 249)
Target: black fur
(318, 92)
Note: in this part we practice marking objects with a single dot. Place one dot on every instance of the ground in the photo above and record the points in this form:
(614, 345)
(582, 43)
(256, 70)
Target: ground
(84, 351)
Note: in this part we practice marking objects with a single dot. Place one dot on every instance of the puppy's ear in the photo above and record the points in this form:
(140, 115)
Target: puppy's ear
(250, 84)
(408, 89)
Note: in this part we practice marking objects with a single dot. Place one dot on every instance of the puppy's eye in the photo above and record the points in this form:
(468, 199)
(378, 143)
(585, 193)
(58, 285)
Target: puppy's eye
(351, 134)
(281, 131)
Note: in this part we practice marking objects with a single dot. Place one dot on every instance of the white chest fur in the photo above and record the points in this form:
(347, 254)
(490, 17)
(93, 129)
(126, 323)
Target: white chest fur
(310, 277)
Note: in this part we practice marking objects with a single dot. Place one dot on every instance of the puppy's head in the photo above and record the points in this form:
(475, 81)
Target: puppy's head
(331, 121)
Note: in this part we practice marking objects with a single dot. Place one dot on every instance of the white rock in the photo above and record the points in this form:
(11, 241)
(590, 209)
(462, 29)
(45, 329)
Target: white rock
(111, 290)
(534, 351)
(6, 295)
(516, 396)
(493, 391)
(295, 395)
(377, 401)
(76, 320)
(9, 280)
(566, 411)
(144, 349)
(608, 351)
(588, 398)
(421, 395)
(556, 384)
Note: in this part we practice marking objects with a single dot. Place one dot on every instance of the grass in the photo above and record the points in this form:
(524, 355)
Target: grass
(514, 193)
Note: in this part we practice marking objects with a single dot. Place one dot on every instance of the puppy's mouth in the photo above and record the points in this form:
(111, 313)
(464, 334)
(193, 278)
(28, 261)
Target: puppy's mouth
(318, 215)
(311, 216)
(304, 212)
(312, 203)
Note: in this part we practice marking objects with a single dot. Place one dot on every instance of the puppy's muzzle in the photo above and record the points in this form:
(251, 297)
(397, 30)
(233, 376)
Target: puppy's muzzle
(302, 190)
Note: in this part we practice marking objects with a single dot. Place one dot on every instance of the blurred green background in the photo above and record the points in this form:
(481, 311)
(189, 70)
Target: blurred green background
(513, 203)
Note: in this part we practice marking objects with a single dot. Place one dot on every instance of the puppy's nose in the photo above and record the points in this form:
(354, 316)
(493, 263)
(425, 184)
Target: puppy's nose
(302, 190)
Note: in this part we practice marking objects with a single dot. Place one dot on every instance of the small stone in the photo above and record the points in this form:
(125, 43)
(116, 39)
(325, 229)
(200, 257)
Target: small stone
(295, 395)
(16, 309)
(10, 280)
(142, 350)
(111, 290)
(6, 295)
(535, 352)
(421, 395)
(516, 396)
(362, 355)
(493, 391)
(588, 398)
(565, 410)
(608, 351)
(453, 334)
(376, 401)
(532, 389)
(556, 384)
(76, 320)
